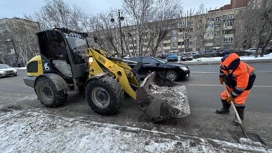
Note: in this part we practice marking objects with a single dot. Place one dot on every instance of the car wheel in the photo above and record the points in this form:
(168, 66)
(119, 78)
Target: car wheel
(15, 74)
(171, 75)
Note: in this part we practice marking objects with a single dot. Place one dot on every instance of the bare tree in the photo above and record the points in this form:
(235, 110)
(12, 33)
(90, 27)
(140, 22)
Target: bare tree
(57, 13)
(264, 27)
(256, 26)
(149, 16)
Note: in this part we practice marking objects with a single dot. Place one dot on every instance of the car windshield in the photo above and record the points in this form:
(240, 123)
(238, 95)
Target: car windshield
(77, 43)
(4, 66)
(159, 60)
(172, 54)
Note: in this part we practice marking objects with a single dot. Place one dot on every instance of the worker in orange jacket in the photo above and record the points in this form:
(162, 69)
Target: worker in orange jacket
(239, 78)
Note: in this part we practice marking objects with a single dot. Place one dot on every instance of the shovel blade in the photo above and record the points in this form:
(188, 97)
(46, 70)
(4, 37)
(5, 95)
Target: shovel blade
(254, 138)
(161, 98)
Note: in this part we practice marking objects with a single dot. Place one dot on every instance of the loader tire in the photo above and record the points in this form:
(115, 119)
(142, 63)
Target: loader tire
(104, 95)
(47, 93)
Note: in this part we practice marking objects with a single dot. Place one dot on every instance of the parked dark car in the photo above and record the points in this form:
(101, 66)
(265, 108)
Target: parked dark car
(169, 70)
(163, 56)
(224, 52)
(207, 53)
(268, 49)
(6, 70)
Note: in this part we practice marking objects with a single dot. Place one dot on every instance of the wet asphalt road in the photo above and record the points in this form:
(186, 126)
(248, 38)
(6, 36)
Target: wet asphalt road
(203, 90)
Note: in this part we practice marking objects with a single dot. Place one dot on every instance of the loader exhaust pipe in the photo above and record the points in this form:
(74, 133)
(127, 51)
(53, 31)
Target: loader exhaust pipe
(161, 98)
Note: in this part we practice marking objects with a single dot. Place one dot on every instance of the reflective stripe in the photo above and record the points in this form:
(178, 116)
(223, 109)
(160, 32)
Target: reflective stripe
(239, 105)
(240, 89)
(234, 94)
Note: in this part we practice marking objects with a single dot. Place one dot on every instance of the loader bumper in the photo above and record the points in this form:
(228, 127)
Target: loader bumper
(29, 81)
(162, 99)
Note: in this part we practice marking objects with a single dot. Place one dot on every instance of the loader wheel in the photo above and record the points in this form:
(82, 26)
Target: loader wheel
(104, 95)
(171, 75)
(48, 94)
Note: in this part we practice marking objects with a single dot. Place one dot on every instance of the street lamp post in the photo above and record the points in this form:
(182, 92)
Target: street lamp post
(12, 41)
(120, 19)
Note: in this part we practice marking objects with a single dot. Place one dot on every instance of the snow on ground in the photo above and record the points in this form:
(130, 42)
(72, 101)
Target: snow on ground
(24, 131)
(215, 59)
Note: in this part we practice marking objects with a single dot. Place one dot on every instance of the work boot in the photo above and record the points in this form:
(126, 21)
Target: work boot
(240, 110)
(225, 109)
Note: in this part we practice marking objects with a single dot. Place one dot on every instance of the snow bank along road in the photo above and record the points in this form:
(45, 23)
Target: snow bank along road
(37, 131)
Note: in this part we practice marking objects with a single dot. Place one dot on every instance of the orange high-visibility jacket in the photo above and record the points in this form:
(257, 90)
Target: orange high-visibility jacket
(238, 75)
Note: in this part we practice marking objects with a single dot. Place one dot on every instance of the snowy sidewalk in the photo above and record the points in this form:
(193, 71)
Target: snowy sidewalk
(24, 131)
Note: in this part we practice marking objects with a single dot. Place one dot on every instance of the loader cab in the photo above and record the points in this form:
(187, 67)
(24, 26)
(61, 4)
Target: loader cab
(63, 51)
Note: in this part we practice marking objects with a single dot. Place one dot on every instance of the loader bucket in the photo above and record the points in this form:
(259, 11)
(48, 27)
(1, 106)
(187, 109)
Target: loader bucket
(161, 98)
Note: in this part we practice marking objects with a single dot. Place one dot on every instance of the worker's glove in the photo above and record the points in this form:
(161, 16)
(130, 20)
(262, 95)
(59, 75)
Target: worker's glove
(230, 98)
(221, 80)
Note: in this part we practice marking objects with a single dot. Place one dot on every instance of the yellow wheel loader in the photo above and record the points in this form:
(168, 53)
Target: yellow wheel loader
(66, 62)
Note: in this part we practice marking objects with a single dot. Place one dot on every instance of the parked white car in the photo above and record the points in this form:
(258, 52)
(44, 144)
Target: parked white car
(6, 70)
(252, 50)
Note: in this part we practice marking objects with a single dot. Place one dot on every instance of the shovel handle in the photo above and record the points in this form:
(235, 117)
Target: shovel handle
(233, 106)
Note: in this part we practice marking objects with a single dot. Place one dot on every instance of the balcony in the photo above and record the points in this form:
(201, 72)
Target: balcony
(208, 44)
(166, 48)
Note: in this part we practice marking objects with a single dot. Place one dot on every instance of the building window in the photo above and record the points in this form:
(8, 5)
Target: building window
(218, 19)
(210, 25)
(217, 26)
(174, 44)
(209, 34)
(179, 43)
(166, 45)
(182, 23)
(217, 33)
(228, 16)
(180, 36)
(228, 23)
(174, 38)
(228, 40)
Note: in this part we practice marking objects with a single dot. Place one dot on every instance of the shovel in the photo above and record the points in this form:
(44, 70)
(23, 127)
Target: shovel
(249, 138)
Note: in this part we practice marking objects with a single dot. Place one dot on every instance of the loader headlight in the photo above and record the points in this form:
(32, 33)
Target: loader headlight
(90, 61)
(184, 68)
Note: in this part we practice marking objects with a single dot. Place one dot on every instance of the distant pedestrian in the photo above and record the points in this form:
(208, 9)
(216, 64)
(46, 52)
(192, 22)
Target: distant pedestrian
(239, 78)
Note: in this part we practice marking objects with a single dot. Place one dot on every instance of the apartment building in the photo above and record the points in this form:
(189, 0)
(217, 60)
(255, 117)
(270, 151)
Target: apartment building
(212, 30)
(215, 29)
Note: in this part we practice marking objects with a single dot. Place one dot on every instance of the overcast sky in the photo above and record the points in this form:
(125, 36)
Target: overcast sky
(18, 8)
